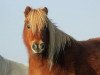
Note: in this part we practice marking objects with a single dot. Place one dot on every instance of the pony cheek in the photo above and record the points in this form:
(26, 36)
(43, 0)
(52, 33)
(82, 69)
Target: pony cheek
(28, 41)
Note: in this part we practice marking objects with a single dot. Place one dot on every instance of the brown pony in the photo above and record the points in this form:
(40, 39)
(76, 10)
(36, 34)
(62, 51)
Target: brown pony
(53, 52)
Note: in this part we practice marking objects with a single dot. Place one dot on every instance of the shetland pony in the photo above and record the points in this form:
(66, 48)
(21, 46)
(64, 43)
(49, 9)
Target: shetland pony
(8, 67)
(53, 52)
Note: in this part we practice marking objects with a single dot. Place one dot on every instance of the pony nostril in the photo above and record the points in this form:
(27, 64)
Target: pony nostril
(34, 46)
(38, 48)
(42, 46)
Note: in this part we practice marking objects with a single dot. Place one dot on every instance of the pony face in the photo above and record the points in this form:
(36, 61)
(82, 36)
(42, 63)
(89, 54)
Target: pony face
(35, 31)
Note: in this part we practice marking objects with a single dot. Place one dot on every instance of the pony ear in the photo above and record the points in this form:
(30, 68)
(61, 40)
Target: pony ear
(27, 10)
(45, 9)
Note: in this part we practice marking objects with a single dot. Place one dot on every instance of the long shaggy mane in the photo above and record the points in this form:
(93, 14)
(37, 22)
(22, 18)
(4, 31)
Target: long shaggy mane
(58, 41)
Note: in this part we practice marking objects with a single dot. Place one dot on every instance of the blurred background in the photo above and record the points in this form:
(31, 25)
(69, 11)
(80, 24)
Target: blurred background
(78, 18)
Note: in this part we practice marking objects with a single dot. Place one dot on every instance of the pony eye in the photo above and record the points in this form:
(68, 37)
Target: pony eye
(28, 26)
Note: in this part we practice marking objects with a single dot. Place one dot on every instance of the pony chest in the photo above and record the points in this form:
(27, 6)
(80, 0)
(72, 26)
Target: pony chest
(44, 70)
(39, 70)
(37, 67)
(47, 72)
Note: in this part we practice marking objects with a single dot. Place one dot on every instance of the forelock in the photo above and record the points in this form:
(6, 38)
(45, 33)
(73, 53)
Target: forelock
(38, 19)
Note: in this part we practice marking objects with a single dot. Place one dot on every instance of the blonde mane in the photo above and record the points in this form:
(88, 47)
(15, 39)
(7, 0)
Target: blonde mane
(37, 19)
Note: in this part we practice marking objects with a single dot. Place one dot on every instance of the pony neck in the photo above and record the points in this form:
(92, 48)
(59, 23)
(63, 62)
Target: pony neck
(37, 64)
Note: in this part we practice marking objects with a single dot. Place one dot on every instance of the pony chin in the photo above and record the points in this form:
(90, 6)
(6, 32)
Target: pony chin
(35, 52)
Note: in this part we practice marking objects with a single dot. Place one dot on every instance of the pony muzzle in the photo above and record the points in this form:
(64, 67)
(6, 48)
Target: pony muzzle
(38, 48)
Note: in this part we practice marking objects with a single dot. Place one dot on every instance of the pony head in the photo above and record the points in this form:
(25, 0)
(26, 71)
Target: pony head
(41, 36)
(35, 31)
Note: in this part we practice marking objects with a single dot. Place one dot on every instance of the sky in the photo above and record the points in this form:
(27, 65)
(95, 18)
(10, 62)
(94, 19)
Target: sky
(78, 18)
